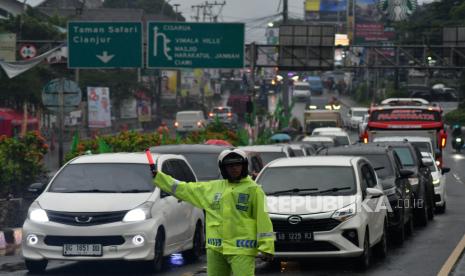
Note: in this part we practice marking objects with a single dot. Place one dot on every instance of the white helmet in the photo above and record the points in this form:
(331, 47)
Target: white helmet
(233, 156)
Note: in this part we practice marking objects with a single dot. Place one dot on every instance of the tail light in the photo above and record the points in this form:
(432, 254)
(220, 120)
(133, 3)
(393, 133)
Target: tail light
(210, 114)
(443, 137)
(199, 123)
(176, 124)
(365, 137)
(229, 114)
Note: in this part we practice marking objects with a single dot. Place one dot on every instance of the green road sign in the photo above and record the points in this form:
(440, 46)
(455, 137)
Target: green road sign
(195, 45)
(104, 44)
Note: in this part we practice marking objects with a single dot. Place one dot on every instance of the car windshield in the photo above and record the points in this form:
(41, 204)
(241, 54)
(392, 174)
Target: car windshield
(405, 156)
(381, 161)
(342, 140)
(269, 156)
(220, 110)
(423, 146)
(205, 165)
(321, 178)
(104, 178)
(301, 87)
(298, 152)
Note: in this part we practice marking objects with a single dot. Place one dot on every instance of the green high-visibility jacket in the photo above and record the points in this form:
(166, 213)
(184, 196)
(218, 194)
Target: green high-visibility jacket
(237, 221)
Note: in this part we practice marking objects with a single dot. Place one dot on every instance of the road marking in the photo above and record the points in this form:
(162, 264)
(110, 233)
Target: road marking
(458, 178)
(453, 258)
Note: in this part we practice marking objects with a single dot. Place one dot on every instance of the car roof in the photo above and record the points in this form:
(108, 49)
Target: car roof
(358, 149)
(359, 109)
(318, 139)
(188, 148)
(427, 154)
(403, 138)
(265, 148)
(190, 112)
(122, 157)
(338, 161)
(301, 83)
(339, 133)
(328, 129)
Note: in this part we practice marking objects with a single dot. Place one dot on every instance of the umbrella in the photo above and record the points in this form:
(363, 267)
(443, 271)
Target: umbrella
(218, 142)
(281, 137)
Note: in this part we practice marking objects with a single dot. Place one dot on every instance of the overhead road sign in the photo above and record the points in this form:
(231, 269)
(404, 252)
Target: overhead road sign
(195, 45)
(105, 44)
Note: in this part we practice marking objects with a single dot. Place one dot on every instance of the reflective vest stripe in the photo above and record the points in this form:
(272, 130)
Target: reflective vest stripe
(214, 242)
(246, 243)
(174, 186)
(266, 235)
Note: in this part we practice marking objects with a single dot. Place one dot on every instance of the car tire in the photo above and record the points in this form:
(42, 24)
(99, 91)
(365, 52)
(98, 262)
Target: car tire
(431, 205)
(441, 209)
(198, 244)
(157, 264)
(364, 261)
(381, 247)
(421, 213)
(398, 235)
(34, 266)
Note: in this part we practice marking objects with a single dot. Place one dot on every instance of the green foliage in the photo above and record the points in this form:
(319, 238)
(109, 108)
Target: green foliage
(21, 160)
(149, 6)
(455, 117)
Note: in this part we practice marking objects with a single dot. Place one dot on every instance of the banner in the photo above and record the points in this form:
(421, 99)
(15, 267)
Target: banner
(369, 24)
(128, 109)
(8, 47)
(169, 82)
(99, 107)
(312, 5)
(144, 110)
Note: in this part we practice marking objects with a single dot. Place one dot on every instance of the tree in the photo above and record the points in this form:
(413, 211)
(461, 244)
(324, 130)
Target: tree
(149, 6)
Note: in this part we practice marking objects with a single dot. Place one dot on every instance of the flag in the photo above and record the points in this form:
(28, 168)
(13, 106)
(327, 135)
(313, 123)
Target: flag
(163, 138)
(103, 147)
(75, 142)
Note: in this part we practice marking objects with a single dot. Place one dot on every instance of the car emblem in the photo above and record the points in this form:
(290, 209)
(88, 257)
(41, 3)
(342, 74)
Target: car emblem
(294, 219)
(83, 219)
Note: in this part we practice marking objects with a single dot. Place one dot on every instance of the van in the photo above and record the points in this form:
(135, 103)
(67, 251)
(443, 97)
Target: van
(190, 121)
(301, 90)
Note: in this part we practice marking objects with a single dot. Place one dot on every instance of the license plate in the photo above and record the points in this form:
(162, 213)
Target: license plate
(188, 126)
(294, 236)
(82, 250)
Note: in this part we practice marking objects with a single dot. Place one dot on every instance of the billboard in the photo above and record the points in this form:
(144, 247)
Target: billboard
(326, 10)
(369, 24)
(99, 107)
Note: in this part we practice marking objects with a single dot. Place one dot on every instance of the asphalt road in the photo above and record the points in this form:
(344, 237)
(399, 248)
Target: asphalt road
(422, 254)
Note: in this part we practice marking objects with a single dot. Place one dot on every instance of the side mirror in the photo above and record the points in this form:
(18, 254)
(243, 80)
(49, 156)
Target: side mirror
(36, 188)
(427, 162)
(406, 173)
(374, 193)
(445, 170)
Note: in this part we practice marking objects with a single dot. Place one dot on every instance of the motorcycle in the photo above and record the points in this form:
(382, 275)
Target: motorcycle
(457, 144)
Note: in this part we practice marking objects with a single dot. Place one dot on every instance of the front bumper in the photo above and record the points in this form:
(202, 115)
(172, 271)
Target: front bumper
(330, 243)
(116, 239)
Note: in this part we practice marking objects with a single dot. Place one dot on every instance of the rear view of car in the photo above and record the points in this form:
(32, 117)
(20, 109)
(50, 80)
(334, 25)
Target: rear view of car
(224, 114)
(316, 85)
(301, 91)
(190, 121)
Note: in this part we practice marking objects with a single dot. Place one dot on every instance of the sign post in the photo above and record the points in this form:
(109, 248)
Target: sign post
(105, 44)
(195, 45)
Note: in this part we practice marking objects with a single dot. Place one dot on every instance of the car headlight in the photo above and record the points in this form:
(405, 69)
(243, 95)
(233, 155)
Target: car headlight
(345, 213)
(37, 214)
(140, 213)
(458, 140)
(436, 182)
(413, 181)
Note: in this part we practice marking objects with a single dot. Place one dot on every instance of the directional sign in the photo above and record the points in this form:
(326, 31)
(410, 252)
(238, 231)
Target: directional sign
(71, 94)
(105, 44)
(195, 45)
(28, 51)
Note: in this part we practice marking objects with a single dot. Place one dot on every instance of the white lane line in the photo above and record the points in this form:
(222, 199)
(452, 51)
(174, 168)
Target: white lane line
(458, 178)
(453, 258)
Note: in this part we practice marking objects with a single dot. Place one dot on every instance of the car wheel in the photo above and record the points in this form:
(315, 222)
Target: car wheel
(421, 212)
(198, 244)
(398, 234)
(381, 247)
(441, 209)
(364, 260)
(36, 266)
(157, 263)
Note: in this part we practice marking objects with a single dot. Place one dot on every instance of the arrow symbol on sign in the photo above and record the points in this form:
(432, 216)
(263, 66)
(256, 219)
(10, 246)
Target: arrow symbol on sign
(105, 58)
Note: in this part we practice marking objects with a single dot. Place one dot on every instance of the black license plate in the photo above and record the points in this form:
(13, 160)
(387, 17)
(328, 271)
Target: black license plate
(294, 236)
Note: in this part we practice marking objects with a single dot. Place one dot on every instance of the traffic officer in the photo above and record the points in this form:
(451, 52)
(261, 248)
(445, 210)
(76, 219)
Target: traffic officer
(238, 225)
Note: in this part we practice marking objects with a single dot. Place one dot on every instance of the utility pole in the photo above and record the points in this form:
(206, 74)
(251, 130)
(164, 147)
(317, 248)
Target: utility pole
(176, 6)
(196, 17)
(285, 73)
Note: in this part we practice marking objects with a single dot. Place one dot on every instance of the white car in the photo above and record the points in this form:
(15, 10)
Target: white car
(301, 90)
(187, 121)
(424, 144)
(356, 115)
(325, 206)
(439, 182)
(325, 141)
(105, 207)
(323, 130)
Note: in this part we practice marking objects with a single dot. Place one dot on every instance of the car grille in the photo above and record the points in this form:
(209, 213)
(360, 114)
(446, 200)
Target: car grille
(315, 246)
(307, 225)
(85, 219)
(103, 240)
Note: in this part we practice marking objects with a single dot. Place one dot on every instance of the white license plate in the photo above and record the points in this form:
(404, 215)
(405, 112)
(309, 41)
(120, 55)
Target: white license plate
(294, 236)
(82, 250)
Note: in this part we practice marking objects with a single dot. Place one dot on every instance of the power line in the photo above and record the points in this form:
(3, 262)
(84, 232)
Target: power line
(207, 10)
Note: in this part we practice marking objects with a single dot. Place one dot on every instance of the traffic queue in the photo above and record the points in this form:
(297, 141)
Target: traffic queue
(321, 195)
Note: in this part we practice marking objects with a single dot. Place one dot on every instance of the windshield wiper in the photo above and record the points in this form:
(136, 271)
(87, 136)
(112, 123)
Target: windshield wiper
(294, 191)
(332, 190)
(135, 191)
(92, 191)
